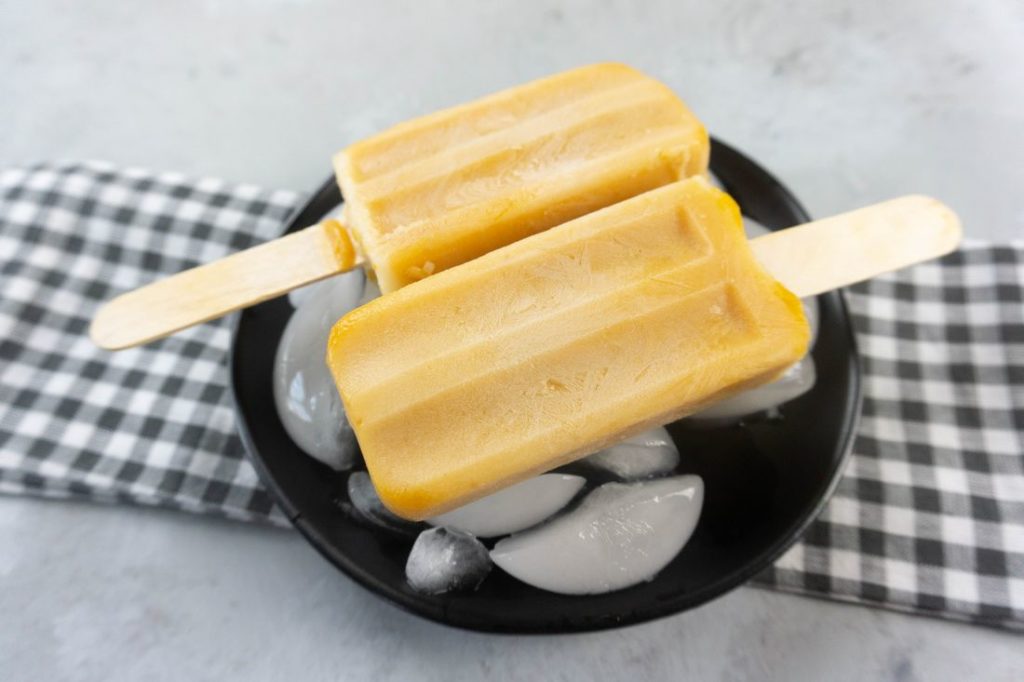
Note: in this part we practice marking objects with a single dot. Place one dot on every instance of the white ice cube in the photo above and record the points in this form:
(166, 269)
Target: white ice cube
(514, 508)
(304, 392)
(367, 503)
(446, 560)
(754, 229)
(647, 454)
(297, 297)
(620, 535)
(796, 381)
(813, 315)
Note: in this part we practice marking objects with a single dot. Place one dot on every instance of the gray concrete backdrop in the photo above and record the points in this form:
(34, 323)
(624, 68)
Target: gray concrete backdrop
(848, 102)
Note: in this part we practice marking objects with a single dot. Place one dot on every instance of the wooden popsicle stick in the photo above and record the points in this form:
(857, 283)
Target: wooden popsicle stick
(851, 247)
(216, 289)
(808, 259)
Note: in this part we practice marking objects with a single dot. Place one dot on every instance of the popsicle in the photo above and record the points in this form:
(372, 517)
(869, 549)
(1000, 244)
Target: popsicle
(446, 188)
(571, 340)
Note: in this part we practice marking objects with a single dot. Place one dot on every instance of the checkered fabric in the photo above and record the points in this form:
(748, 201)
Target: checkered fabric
(929, 517)
(150, 425)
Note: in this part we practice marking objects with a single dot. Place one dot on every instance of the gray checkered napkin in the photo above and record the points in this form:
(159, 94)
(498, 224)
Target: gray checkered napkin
(929, 517)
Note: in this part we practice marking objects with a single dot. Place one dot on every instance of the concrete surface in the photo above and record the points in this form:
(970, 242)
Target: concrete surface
(847, 102)
(124, 594)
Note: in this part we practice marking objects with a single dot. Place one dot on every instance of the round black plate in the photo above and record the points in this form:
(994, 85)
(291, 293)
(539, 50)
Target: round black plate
(764, 481)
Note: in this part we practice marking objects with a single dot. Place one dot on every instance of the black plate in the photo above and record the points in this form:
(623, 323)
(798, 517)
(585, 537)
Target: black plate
(764, 481)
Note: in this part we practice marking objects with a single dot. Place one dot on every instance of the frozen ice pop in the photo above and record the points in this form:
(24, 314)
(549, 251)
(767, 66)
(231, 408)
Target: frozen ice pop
(567, 341)
(443, 189)
(446, 188)
(559, 345)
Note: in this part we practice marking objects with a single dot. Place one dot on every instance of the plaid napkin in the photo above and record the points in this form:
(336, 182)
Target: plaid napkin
(150, 425)
(929, 517)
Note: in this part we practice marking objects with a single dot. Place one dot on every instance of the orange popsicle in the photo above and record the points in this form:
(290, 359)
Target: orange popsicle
(558, 345)
(443, 189)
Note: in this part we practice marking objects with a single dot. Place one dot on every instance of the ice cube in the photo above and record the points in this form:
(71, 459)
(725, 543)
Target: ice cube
(370, 292)
(304, 392)
(646, 454)
(297, 297)
(753, 228)
(446, 560)
(514, 508)
(366, 502)
(620, 535)
(813, 315)
(796, 381)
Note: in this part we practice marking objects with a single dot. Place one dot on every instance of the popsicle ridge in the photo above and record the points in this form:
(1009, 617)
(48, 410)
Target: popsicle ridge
(534, 149)
(550, 348)
(411, 141)
(446, 188)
